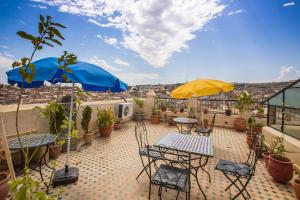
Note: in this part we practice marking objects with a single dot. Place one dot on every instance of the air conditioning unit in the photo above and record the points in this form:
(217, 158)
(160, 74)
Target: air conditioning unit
(125, 110)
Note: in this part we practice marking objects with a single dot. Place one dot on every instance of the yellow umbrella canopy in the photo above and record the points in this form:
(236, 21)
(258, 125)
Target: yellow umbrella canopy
(201, 87)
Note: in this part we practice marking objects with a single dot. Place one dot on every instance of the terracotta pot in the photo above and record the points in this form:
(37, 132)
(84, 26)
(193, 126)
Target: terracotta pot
(296, 188)
(164, 108)
(257, 129)
(227, 112)
(171, 121)
(205, 110)
(88, 138)
(240, 124)
(280, 168)
(105, 132)
(250, 140)
(155, 119)
(54, 151)
(117, 126)
(266, 158)
(4, 187)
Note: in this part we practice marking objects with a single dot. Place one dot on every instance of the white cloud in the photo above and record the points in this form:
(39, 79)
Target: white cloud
(236, 12)
(102, 63)
(8, 55)
(111, 41)
(138, 78)
(38, 6)
(153, 29)
(121, 62)
(5, 65)
(288, 73)
(4, 47)
(289, 4)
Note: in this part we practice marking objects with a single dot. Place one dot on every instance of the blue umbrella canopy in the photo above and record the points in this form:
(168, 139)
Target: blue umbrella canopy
(92, 77)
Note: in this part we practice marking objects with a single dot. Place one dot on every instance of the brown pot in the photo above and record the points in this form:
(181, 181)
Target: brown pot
(4, 187)
(88, 138)
(164, 108)
(54, 151)
(205, 110)
(240, 124)
(257, 130)
(105, 132)
(266, 158)
(171, 121)
(296, 188)
(155, 119)
(250, 140)
(227, 112)
(117, 126)
(280, 168)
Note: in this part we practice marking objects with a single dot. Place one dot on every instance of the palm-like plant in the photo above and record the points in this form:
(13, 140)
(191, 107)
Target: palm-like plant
(105, 118)
(86, 118)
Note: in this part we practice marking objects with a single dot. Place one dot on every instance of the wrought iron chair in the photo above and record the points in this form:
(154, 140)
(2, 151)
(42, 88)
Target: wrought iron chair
(173, 173)
(206, 131)
(142, 140)
(240, 174)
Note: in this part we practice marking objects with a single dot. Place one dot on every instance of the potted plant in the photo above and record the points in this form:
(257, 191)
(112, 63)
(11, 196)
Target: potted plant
(228, 112)
(280, 167)
(85, 122)
(139, 115)
(117, 125)
(258, 128)
(205, 111)
(105, 120)
(164, 106)
(244, 103)
(260, 112)
(275, 146)
(155, 117)
(296, 184)
(55, 113)
(251, 135)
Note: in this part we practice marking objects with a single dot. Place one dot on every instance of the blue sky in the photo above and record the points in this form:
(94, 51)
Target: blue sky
(166, 41)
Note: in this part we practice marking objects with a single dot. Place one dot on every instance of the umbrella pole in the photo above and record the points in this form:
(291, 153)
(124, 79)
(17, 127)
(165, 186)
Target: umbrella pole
(70, 128)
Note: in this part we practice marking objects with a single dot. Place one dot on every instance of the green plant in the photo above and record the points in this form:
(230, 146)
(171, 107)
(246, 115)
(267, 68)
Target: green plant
(86, 118)
(244, 103)
(251, 123)
(140, 103)
(259, 124)
(277, 146)
(26, 187)
(105, 118)
(261, 110)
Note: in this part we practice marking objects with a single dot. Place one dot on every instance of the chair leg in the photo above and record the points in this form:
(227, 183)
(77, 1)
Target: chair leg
(239, 189)
(149, 195)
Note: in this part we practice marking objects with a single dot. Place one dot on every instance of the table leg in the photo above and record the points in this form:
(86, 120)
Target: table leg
(40, 169)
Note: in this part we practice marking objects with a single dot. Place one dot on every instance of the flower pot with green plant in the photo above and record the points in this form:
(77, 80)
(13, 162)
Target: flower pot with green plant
(244, 103)
(105, 120)
(139, 115)
(260, 112)
(155, 117)
(251, 135)
(117, 125)
(85, 123)
(296, 184)
(280, 167)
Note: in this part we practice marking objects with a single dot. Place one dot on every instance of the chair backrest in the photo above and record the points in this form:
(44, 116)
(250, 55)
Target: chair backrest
(141, 135)
(253, 154)
(169, 156)
(213, 122)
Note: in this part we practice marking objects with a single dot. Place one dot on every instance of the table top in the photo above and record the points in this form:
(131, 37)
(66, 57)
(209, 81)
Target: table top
(194, 144)
(32, 141)
(185, 120)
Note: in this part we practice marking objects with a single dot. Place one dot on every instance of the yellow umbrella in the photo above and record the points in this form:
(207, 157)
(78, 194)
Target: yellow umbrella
(201, 87)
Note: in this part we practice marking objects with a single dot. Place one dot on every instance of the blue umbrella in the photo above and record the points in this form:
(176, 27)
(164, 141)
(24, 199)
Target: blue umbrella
(91, 77)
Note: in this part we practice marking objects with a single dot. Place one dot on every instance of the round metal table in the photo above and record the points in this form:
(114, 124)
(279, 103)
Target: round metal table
(34, 141)
(185, 124)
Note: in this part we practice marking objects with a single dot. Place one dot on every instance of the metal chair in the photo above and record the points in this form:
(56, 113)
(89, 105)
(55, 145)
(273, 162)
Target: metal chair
(174, 173)
(142, 140)
(206, 131)
(240, 174)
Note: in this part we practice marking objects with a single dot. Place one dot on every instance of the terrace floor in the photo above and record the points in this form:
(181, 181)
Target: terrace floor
(109, 166)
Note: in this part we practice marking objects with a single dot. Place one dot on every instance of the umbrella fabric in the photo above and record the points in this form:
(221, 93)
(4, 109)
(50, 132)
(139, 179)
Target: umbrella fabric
(90, 76)
(201, 87)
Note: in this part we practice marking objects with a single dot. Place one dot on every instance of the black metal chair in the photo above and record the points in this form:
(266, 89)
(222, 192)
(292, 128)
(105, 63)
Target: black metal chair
(173, 173)
(240, 174)
(206, 131)
(142, 140)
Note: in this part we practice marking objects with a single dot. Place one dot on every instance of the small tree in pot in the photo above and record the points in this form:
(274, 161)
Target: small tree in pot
(251, 135)
(296, 184)
(280, 167)
(244, 104)
(155, 117)
(139, 115)
(260, 112)
(105, 120)
(85, 122)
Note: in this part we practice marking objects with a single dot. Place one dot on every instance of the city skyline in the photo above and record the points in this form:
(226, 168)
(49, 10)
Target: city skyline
(166, 42)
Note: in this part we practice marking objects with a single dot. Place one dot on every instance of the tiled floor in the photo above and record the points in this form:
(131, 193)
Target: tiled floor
(109, 166)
